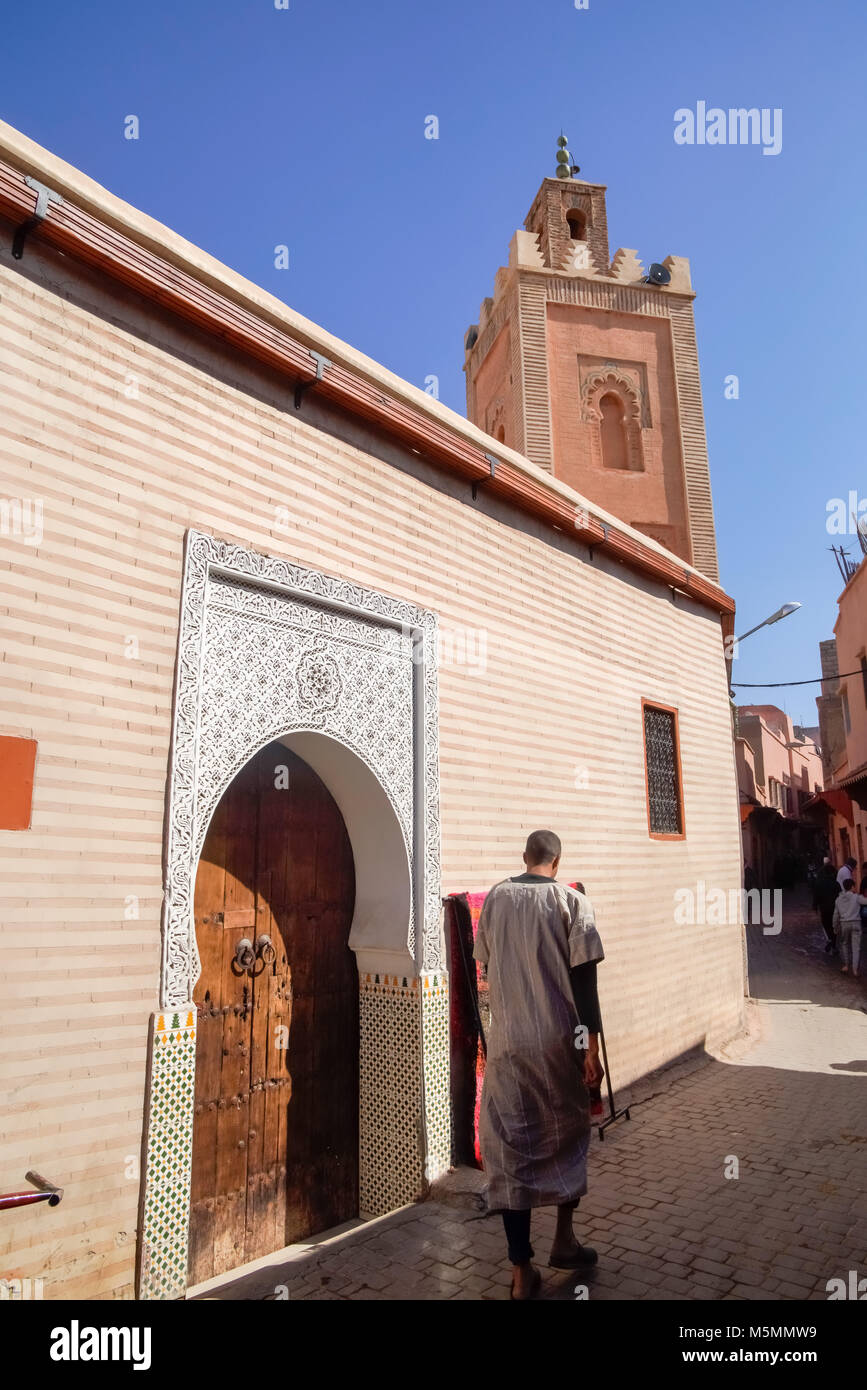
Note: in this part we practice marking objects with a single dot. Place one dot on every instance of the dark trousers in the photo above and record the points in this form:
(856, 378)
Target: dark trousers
(827, 916)
(517, 1224)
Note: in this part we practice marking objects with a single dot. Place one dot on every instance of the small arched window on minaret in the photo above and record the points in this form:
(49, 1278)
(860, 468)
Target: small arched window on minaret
(496, 422)
(577, 223)
(612, 429)
(612, 407)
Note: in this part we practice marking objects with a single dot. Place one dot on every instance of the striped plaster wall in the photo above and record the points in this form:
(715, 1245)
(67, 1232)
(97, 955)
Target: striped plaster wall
(127, 433)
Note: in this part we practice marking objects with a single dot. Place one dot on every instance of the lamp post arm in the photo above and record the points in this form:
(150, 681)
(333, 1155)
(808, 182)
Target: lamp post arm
(751, 631)
(783, 612)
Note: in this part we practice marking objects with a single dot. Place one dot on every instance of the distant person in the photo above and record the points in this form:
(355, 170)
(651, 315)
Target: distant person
(825, 893)
(847, 924)
(847, 871)
(540, 945)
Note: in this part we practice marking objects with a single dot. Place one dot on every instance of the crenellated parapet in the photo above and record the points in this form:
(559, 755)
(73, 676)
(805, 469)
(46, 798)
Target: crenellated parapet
(626, 267)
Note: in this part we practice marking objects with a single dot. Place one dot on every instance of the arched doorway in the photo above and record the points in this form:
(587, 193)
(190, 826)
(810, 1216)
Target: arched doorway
(346, 678)
(275, 1134)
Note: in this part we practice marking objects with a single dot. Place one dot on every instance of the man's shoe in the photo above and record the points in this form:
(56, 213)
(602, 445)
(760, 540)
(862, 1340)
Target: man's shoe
(583, 1257)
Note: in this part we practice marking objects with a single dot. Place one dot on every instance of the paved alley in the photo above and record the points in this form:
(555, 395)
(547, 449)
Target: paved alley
(789, 1103)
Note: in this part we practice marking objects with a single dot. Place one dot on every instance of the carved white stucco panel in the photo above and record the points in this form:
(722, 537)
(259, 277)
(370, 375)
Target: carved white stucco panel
(267, 648)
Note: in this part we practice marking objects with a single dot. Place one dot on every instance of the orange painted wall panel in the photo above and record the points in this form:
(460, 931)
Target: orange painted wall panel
(17, 763)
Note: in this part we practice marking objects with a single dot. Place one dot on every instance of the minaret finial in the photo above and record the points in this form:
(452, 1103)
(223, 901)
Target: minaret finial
(565, 168)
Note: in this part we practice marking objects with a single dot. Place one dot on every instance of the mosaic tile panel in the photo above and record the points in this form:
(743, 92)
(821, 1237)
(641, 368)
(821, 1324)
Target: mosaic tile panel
(399, 1015)
(391, 1160)
(437, 1073)
(169, 1155)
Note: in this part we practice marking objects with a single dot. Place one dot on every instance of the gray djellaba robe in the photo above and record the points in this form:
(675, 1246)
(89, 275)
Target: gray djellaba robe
(534, 1123)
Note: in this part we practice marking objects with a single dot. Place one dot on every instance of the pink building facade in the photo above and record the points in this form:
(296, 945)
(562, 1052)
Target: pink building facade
(778, 774)
(843, 716)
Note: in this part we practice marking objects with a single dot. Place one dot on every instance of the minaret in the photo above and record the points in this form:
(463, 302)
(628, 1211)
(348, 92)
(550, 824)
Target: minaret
(589, 366)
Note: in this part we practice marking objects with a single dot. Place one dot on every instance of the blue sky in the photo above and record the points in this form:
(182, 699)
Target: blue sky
(305, 127)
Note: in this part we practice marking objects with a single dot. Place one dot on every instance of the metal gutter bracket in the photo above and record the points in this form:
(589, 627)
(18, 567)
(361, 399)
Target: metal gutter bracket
(492, 464)
(605, 529)
(303, 386)
(44, 196)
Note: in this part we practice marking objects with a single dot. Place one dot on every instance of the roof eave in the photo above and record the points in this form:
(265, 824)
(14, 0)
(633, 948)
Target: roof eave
(98, 229)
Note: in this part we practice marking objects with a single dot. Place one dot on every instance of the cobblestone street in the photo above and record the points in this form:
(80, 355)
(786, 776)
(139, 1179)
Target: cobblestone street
(788, 1102)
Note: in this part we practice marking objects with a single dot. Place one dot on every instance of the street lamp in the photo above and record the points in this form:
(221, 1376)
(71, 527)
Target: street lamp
(783, 612)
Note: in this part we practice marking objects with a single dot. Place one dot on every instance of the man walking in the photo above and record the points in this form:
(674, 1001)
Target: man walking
(540, 945)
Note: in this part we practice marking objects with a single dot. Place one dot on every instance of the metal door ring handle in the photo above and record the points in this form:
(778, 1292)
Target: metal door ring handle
(265, 949)
(245, 955)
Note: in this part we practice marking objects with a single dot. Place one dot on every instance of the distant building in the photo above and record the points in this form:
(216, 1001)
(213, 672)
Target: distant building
(779, 772)
(842, 706)
(832, 733)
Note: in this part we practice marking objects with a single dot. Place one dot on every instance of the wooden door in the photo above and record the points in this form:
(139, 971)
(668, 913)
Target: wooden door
(275, 1139)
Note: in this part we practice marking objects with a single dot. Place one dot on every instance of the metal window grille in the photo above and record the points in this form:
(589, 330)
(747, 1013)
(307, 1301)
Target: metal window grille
(663, 781)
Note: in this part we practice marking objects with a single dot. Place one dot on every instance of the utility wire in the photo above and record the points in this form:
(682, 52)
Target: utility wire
(775, 685)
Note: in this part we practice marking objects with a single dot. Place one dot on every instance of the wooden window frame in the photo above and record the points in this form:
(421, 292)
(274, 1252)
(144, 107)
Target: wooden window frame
(667, 709)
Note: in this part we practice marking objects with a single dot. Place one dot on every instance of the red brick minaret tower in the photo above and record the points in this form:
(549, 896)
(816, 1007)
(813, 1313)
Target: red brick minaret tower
(590, 369)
